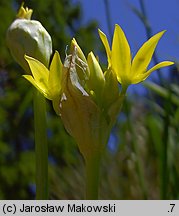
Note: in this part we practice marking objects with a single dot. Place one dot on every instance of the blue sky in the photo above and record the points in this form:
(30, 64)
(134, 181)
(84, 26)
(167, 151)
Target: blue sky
(162, 15)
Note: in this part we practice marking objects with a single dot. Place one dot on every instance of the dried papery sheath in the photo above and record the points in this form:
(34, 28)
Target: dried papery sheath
(26, 36)
(71, 64)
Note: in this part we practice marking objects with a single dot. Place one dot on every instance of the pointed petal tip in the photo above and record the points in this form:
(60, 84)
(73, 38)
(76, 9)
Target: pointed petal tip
(26, 76)
(118, 30)
(30, 58)
(56, 52)
(158, 35)
(100, 32)
(162, 32)
(118, 27)
(90, 57)
(166, 63)
(170, 63)
(91, 53)
(74, 41)
(27, 57)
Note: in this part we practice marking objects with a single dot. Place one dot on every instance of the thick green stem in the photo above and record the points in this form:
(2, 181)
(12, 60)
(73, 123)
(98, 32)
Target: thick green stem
(41, 147)
(92, 176)
(164, 155)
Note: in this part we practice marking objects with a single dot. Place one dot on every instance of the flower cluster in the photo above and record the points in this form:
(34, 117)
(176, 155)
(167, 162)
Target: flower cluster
(88, 99)
(80, 94)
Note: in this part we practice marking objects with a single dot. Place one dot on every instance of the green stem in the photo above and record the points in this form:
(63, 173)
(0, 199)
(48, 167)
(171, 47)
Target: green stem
(92, 176)
(164, 177)
(41, 147)
(164, 155)
(124, 90)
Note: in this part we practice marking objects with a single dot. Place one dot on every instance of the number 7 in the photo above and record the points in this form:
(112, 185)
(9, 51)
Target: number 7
(173, 205)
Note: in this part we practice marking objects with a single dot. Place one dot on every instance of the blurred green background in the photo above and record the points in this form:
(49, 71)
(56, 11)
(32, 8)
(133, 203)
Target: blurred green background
(141, 160)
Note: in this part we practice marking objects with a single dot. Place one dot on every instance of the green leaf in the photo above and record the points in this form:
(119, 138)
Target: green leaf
(162, 92)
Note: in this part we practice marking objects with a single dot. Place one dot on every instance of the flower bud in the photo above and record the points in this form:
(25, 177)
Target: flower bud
(26, 36)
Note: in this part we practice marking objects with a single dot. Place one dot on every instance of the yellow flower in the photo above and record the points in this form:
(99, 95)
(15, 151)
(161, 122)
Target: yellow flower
(86, 99)
(128, 70)
(47, 81)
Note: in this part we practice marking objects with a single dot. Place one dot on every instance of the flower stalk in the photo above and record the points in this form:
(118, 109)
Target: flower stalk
(26, 36)
(92, 176)
(41, 146)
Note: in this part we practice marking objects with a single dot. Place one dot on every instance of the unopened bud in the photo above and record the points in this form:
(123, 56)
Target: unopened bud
(26, 36)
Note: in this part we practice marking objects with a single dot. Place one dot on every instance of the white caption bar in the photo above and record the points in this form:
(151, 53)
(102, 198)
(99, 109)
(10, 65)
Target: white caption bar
(85, 207)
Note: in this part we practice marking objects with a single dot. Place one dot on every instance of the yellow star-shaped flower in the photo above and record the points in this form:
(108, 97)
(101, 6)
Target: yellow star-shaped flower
(128, 70)
(47, 81)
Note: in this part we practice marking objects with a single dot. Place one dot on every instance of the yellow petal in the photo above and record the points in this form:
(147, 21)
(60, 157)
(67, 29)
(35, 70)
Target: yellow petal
(39, 72)
(121, 56)
(96, 80)
(106, 45)
(157, 66)
(144, 76)
(42, 89)
(55, 75)
(144, 55)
